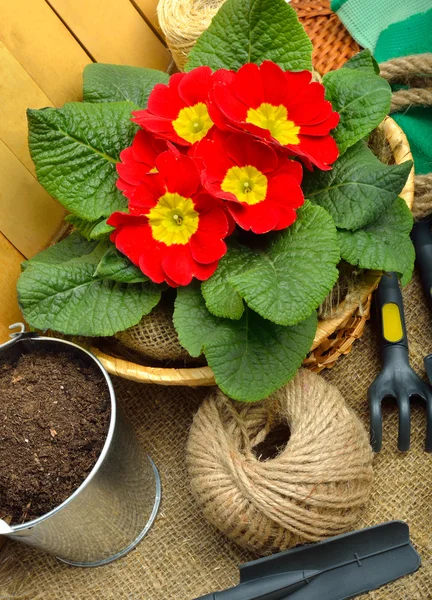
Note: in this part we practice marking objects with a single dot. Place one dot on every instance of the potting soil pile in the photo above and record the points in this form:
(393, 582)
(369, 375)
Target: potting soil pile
(183, 557)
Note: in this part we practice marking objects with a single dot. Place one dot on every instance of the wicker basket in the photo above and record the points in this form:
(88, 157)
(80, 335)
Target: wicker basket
(334, 336)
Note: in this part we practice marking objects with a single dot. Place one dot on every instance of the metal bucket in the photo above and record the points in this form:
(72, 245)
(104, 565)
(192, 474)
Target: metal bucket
(116, 504)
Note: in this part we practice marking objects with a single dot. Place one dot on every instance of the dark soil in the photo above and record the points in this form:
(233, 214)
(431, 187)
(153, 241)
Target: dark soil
(54, 418)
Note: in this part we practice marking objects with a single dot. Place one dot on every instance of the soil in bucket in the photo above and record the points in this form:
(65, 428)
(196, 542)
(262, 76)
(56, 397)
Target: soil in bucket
(54, 419)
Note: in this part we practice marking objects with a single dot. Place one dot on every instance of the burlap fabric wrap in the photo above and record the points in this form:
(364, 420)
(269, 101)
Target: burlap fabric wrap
(314, 487)
(154, 336)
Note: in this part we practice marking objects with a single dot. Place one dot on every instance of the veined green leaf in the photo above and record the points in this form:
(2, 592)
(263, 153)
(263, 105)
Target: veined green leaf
(115, 83)
(245, 31)
(59, 290)
(75, 150)
(250, 357)
(361, 98)
(383, 245)
(358, 189)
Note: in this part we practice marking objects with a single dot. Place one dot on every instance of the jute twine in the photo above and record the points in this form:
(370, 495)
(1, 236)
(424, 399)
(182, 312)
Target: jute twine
(183, 22)
(316, 485)
(415, 70)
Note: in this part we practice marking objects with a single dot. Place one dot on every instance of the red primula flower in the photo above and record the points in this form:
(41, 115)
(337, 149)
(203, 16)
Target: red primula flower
(261, 186)
(281, 106)
(178, 111)
(174, 230)
(138, 160)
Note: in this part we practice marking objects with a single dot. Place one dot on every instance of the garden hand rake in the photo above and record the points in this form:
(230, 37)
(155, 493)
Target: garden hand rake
(396, 380)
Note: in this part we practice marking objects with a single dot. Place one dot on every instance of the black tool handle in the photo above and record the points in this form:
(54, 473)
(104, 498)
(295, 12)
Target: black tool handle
(207, 597)
(391, 318)
(421, 236)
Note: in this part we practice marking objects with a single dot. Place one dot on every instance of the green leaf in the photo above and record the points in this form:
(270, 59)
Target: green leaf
(116, 266)
(384, 245)
(246, 31)
(115, 83)
(59, 290)
(286, 282)
(91, 230)
(251, 357)
(75, 150)
(221, 298)
(363, 61)
(358, 189)
(362, 99)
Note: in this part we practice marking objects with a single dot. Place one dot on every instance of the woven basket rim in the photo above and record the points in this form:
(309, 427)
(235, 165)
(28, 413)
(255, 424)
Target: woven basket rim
(203, 376)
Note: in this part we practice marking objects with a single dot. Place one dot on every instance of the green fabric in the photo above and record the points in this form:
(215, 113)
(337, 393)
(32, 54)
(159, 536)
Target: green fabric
(417, 125)
(393, 28)
(412, 36)
(366, 19)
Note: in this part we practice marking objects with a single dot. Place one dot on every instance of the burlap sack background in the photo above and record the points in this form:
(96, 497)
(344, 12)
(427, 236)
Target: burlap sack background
(183, 557)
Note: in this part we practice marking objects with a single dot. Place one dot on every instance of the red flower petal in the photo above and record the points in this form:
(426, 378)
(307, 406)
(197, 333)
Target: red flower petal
(133, 238)
(146, 147)
(322, 151)
(205, 249)
(213, 221)
(147, 194)
(259, 218)
(245, 150)
(288, 217)
(228, 103)
(290, 167)
(211, 150)
(247, 85)
(179, 173)
(178, 264)
(195, 85)
(165, 100)
(273, 83)
(285, 191)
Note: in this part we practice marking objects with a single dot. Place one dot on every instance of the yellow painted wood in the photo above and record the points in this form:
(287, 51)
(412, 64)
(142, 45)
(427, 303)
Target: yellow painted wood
(18, 91)
(29, 217)
(10, 260)
(113, 31)
(41, 43)
(148, 8)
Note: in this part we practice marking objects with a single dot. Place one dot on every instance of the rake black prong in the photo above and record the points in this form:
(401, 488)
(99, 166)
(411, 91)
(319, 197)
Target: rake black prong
(404, 435)
(375, 408)
(428, 444)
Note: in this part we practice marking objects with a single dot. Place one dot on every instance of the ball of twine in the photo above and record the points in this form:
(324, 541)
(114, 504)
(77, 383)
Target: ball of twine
(183, 22)
(313, 488)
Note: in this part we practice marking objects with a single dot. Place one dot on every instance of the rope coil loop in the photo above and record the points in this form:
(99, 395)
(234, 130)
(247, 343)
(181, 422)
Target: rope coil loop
(314, 488)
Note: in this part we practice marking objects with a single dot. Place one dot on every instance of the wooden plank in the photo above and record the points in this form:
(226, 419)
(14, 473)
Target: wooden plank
(45, 48)
(148, 9)
(113, 31)
(29, 217)
(10, 260)
(18, 91)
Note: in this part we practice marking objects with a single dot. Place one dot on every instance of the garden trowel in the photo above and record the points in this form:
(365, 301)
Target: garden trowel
(339, 568)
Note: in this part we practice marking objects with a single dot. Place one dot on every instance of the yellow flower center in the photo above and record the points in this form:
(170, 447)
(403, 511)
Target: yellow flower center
(193, 123)
(246, 183)
(173, 220)
(275, 119)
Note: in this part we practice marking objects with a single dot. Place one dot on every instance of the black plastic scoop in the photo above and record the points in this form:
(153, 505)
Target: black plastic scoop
(396, 380)
(337, 569)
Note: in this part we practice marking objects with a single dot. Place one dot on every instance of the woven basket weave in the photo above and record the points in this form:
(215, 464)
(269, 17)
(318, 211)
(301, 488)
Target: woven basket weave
(182, 22)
